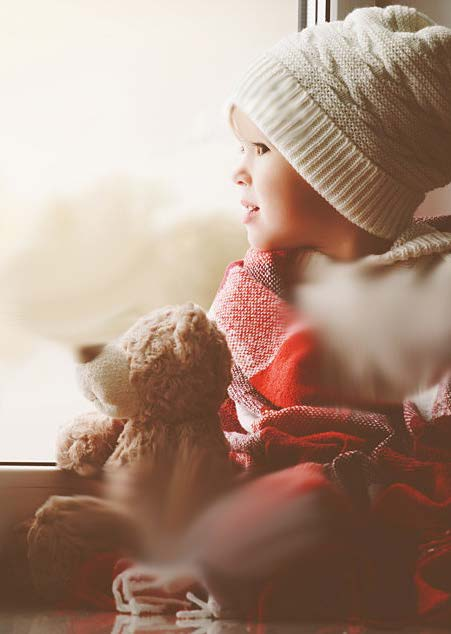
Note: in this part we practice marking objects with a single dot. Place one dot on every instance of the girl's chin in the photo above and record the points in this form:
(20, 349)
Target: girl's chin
(257, 239)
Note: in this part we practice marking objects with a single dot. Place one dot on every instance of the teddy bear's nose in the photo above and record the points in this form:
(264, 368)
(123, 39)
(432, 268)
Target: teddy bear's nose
(85, 354)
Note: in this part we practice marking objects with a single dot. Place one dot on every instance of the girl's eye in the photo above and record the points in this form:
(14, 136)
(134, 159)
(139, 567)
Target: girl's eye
(261, 148)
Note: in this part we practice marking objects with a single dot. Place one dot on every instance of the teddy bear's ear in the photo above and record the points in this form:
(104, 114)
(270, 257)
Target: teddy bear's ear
(190, 318)
(193, 309)
(191, 332)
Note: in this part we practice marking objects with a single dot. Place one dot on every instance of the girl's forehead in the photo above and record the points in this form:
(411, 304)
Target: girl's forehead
(243, 127)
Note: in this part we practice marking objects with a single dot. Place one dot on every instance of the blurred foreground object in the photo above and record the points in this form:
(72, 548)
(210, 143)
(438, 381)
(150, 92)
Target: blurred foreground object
(283, 523)
(384, 330)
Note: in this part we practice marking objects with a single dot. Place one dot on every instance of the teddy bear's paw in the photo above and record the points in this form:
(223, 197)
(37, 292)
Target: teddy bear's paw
(85, 444)
(147, 590)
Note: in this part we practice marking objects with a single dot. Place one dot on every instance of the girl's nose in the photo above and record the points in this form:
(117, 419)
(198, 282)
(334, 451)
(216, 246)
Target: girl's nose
(241, 177)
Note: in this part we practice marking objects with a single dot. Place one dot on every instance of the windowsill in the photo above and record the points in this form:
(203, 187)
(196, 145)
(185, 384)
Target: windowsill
(45, 476)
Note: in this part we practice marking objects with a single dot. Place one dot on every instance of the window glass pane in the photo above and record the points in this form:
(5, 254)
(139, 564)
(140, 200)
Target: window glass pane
(115, 185)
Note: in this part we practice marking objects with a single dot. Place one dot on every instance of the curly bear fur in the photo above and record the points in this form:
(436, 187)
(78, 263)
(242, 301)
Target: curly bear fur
(166, 376)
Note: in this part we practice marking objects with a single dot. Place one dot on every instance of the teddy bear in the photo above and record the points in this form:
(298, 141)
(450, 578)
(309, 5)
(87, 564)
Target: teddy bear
(157, 390)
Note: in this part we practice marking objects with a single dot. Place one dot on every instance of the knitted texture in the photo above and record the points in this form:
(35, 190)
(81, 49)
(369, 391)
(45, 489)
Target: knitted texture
(394, 465)
(361, 108)
(275, 371)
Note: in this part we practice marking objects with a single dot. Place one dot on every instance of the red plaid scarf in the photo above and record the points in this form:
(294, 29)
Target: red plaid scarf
(391, 461)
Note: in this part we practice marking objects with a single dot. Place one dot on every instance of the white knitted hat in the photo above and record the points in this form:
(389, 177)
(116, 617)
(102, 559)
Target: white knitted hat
(361, 108)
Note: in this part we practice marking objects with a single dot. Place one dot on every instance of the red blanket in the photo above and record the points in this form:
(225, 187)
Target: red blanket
(389, 558)
(395, 466)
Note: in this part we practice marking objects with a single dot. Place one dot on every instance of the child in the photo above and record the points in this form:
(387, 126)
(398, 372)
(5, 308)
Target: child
(343, 127)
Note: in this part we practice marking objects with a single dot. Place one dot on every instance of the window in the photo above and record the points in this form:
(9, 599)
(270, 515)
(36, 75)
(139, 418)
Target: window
(115, 159)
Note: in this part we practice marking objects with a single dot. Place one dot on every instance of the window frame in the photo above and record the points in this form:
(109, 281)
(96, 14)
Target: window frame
(319, 11)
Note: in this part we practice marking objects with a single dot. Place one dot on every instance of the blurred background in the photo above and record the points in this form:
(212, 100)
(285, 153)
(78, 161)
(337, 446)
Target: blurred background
(115, 179)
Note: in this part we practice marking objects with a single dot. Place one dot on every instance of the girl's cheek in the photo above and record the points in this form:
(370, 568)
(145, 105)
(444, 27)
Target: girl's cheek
(269, 186)
(267, 173)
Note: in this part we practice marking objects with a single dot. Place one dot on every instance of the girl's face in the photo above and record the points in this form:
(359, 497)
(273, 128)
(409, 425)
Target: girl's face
(290, 212)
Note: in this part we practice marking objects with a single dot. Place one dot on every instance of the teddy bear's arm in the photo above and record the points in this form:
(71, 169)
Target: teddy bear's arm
(85, 444)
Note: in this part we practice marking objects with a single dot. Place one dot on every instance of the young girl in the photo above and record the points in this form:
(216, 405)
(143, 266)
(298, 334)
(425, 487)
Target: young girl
(343, 128)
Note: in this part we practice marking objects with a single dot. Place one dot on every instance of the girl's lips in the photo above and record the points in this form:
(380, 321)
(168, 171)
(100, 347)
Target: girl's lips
(249, 214)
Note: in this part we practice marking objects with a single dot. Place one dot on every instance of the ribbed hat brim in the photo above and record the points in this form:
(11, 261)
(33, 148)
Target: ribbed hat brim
(319, 151)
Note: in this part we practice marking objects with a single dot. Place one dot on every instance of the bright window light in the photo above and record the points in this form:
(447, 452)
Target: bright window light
(115, 180)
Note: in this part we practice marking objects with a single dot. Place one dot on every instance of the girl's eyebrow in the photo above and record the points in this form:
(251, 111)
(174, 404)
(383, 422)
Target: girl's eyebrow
(252, 142)
(241, 139)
